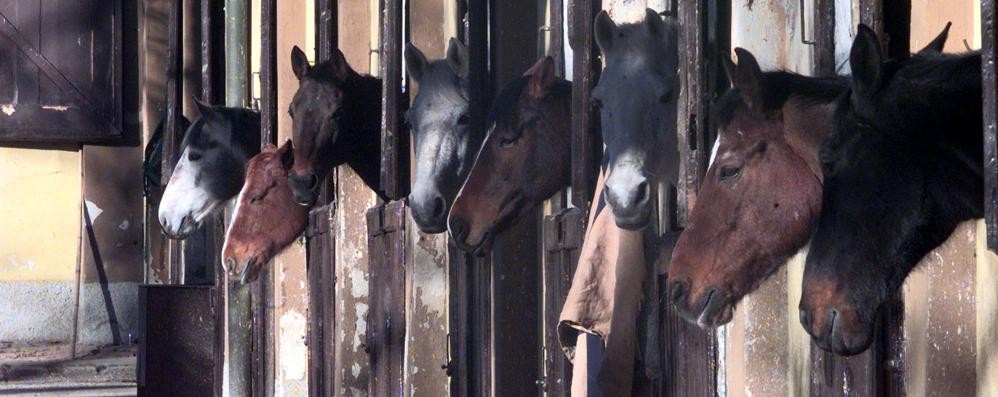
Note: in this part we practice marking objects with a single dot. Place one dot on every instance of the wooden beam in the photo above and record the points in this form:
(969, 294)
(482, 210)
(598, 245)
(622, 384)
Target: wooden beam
(587, 145)
(394, 138)
(989, 73)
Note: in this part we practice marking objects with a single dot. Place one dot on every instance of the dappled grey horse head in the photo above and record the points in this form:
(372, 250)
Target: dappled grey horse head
(637, 95)
(443, 141)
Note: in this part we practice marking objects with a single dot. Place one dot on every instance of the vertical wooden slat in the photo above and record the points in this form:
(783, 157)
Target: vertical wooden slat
(563, 235)
(586, 65)
(694, 97)
(824, 38)
(321, 235)
(394, 140)
(172, 126)
(989, 72)
(264, 318)
(386, 335)
(470, 278)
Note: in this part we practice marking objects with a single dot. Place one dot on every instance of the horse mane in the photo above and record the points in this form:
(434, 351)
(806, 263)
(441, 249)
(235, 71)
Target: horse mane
(778, 88)
(504, 106)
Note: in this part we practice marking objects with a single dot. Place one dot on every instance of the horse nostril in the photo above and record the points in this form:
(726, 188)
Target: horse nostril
(458, 228)
(230, 264)
(439, 207)
(642, 194)
(805, 318)
(313, 181)
(678, 290)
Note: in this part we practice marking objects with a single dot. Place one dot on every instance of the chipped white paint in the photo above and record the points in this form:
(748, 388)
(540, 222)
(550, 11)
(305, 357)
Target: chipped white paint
(8, 109)
(56, 108)
(293, 349)
(94, 211)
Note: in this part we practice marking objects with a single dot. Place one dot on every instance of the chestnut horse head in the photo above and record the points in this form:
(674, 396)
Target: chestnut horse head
(443, 142)
(266, 218)
(637, 96)
(762, 193)
(903, 167)
(336, 119)
(524, 160)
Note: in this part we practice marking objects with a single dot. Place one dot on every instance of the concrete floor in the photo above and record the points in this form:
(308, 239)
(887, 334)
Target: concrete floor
(48, 370)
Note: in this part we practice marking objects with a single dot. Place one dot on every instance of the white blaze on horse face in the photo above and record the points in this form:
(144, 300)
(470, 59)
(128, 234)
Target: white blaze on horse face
(235, 215)
(622, 186)
(184, 204)
(713, 151)
(437, 149)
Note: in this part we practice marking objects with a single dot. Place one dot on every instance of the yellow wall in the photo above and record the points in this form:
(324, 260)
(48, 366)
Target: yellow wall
(39, 214)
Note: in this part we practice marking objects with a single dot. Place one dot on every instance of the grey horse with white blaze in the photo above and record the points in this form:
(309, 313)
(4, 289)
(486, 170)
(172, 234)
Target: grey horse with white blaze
(637, 95)
(442, 138)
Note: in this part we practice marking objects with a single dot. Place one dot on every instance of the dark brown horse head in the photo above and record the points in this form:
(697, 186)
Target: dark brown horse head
(266, 218)
(336, 118)
(762, 193)
(523, 160)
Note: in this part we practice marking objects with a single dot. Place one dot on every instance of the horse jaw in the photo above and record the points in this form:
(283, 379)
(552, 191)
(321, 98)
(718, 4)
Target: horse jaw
(184, 204)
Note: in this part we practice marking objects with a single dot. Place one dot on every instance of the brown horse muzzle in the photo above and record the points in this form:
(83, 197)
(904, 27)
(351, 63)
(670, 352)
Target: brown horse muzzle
(835, 324)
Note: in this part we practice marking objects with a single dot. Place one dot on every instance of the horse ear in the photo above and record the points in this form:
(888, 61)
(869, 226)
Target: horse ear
(286, 154)
(415, 62)
(866, 61)
(204, 109)
(748, 78)
(340, 66)
(936, 45)
(654, 22)
(457, 57)
(299, 63)
(605, 29)
(542, 76)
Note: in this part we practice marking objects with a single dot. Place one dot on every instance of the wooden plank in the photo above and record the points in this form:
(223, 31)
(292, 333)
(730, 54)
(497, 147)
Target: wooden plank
(172, 133)
(326, 15)
(394, 138)
(587, 146)
(563, 234)
(386, 335)
(694, 95)
(824, 38)
(986, 296)
(321, 237)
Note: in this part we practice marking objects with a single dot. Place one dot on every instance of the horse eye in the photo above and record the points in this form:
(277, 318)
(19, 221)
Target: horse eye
(728, 172)
(194, 156)
(463, 120)
(507, 142)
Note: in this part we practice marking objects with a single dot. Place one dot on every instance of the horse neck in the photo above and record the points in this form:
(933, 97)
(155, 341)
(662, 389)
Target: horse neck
(805, 128)
(363, 152)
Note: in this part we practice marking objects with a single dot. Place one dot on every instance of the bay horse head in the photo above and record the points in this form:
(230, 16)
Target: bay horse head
(209, 171)
(902, 168)
(440, 129)
(336, 119)
(266, 218)
(636, 95)
(761, 195)
(524, 159)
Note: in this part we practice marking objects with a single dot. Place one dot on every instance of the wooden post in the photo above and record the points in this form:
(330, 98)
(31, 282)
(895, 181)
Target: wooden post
(824, 38)
(989, 73)
(587, 146)
(172, 126)
(394, 139)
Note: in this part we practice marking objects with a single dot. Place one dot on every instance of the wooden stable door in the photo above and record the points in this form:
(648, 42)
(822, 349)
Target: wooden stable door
(60, 70)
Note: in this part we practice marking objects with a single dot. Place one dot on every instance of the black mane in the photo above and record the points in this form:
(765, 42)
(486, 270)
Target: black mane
(778, 88)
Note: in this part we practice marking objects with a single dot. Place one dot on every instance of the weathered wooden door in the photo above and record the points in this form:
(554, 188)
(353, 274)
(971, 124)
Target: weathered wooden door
(60, 70)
